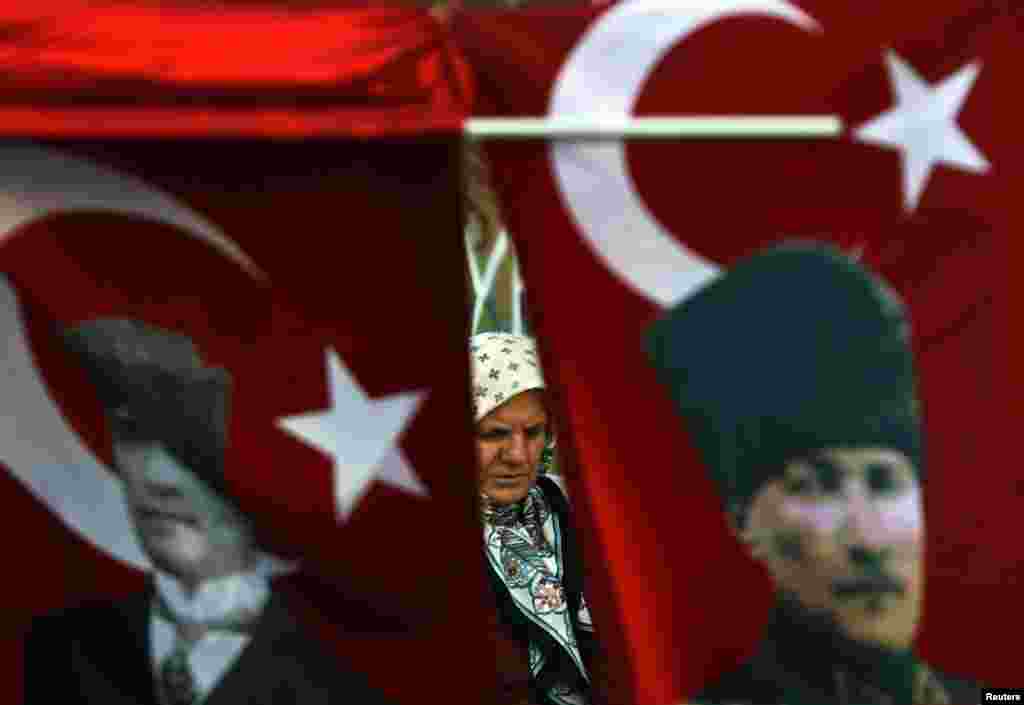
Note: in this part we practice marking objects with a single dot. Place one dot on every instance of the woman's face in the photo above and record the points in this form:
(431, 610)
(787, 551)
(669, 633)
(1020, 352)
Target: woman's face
(509, 443)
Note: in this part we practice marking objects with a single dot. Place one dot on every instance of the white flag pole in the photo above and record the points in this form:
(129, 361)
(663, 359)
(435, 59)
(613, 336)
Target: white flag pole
(649, 128)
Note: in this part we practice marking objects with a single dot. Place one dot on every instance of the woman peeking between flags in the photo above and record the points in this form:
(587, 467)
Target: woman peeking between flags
(543, 628)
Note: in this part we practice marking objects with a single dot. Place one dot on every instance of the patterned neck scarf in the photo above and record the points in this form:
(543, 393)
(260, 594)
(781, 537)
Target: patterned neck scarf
(524, 548)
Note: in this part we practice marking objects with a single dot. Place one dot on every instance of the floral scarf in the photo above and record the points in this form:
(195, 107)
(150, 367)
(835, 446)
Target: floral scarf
(524, 548)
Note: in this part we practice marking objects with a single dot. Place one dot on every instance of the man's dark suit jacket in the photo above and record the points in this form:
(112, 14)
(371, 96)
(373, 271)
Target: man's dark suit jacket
(800, 662)
(99, 653)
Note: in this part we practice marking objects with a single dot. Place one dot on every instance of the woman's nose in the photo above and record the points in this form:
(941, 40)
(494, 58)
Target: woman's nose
(514, 450)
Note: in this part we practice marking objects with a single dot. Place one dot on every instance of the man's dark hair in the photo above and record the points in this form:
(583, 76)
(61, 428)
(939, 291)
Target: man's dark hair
(154, 386)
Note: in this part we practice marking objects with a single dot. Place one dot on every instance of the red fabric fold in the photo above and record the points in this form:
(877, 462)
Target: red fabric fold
(131, 69)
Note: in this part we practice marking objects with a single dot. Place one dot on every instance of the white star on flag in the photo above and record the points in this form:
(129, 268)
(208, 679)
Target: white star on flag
(923, 125)
(360, 435)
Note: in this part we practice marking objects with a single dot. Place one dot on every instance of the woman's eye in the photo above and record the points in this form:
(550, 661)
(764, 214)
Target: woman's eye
(536, 431)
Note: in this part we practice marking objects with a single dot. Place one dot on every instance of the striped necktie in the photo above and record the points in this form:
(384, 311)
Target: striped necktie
(177, 684)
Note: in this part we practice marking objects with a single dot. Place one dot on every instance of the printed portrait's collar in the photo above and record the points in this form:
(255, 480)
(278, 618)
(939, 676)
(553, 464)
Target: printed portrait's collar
(815, 648)
(215, 599)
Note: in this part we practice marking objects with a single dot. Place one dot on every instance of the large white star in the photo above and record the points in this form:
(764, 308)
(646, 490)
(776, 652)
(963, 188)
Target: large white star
(360, 435)
(923, 125)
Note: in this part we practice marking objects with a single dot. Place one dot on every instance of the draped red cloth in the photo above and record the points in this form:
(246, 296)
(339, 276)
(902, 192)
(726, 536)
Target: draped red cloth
(131, 69)
(294, 131)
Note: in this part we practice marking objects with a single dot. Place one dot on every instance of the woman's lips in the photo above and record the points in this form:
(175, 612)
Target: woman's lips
(508, 479)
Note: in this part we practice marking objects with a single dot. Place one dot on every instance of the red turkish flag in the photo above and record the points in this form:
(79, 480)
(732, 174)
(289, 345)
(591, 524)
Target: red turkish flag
(676, 600)
(342, 272)
(272, 255)
(244, 68)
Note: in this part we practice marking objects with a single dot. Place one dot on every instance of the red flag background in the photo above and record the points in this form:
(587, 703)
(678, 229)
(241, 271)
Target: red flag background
(344, 269)
(359, 246)
(674, 597)
(212, 69)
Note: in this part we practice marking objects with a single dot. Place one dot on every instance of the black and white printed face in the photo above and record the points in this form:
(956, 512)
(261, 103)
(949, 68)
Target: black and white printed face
(843, 532)
(182, 525)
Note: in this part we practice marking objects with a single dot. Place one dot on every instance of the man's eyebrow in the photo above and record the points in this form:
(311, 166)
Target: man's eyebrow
(819, 460)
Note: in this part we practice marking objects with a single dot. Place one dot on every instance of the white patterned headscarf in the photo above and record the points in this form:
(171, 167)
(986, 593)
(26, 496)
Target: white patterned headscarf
(502, 365)
(523, 541)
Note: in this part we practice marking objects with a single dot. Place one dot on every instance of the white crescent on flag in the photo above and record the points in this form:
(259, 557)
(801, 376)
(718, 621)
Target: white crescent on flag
(36, 443)
(36, 181)
(603, 76)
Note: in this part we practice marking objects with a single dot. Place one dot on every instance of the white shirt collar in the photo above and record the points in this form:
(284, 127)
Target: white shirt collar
(214, 654)
(217, 598)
